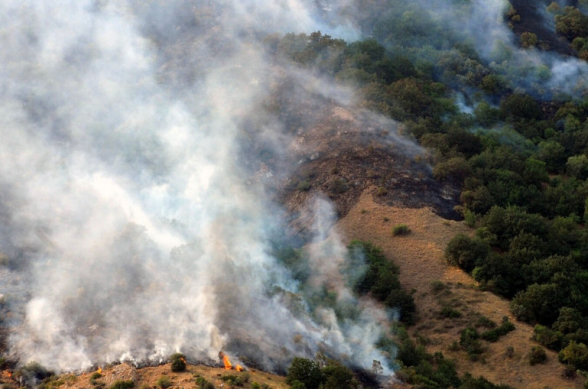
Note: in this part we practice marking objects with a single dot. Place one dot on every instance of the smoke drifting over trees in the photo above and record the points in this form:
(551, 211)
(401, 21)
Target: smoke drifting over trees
(132, 208)
(127, 211)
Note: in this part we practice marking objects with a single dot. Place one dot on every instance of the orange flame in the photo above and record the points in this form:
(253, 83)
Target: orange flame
(239, 368)
(227, 362)
(99, 371)
(9, 374)
(184, 360)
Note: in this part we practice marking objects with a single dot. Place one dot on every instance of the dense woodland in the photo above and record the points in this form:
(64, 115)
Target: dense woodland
(515, 143)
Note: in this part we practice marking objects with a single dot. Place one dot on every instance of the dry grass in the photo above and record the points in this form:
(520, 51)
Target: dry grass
(147, 377)
(420, 258)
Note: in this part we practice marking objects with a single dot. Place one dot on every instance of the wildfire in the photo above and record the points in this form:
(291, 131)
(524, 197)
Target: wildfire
(99, 371)
(227, 362)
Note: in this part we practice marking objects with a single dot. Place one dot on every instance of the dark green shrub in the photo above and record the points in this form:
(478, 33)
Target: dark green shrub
(381, 279)
(470, 343)
(255, 385)
(178, 365)
(469, 382)
(537, 355)
(400, 229)
(450, 313)
(547, 337)
(483, 321)
(496, 333)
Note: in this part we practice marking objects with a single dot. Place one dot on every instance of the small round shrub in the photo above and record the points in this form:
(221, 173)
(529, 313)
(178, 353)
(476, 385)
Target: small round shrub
(537, 355)
(178, 362)
(400, 229)
(164, 382)
(178, 365)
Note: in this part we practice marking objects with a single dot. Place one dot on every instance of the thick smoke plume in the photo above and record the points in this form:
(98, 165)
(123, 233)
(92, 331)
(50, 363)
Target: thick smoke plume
(133, 209)
(130, 206)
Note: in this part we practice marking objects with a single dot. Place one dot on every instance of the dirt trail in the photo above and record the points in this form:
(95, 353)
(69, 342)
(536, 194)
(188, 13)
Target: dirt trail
(420, 258)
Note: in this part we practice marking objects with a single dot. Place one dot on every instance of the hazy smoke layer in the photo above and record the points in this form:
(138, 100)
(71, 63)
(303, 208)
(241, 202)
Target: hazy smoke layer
(129, 207)
(132, 209)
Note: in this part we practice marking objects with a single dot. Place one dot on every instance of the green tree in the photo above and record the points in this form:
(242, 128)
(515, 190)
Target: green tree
(454, 168)
(575, 354)
(528, 40)
(305, 371)
(338, 376)
(521, 106)
(577, 166)
(465, 252)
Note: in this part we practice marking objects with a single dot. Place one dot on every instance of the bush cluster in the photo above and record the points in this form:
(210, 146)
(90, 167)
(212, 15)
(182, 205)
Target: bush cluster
(381, 280)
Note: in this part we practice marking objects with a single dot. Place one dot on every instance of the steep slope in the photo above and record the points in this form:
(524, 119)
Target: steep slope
(420, 258)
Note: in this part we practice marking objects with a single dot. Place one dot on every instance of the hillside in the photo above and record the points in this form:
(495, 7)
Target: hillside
(420, 258)
(171, 172)
(148, 377)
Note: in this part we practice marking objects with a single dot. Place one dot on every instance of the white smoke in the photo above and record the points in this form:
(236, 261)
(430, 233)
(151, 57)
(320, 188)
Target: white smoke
(127, 199)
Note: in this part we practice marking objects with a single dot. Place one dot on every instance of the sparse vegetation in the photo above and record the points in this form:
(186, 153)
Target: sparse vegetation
(437, 286)
(483, 321)
(470, 343)
(164, 382)
(494, 334)
(203, 383)
(400, 229)
(122, 384)
(449, 313)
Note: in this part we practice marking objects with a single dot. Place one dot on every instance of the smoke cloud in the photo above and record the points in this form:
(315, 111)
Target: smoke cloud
(135, 207)
(131, 210)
